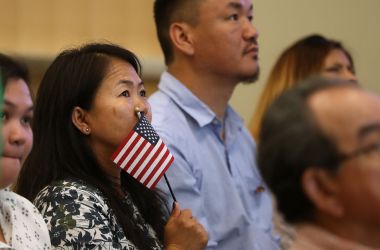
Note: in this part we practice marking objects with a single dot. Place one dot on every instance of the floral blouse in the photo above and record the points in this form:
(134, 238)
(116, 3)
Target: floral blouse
(22, 225)
(78, 217)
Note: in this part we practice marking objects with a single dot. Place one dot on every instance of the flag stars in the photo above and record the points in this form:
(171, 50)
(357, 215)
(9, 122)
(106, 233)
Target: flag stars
(144, 129)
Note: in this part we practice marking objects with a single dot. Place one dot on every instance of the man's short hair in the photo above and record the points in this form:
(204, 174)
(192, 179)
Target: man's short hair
(290, 142)
(167, 12)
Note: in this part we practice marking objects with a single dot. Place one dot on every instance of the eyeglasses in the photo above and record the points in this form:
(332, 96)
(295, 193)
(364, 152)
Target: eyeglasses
(360, 151)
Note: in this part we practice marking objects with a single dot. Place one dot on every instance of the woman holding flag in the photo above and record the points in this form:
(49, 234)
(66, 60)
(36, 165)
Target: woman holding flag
(93, 188)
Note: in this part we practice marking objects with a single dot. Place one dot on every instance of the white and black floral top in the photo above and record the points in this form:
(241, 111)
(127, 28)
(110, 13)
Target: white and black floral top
(22, 225)
(78, 217)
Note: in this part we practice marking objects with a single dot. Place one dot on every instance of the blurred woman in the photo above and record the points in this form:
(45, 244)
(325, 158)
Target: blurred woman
(312, 55)
(21, 225)
(85, 107)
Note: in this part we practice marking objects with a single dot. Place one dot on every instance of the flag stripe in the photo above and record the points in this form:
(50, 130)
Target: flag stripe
(149, 160)
(131, 143)
(121, 151)
(162, 173)
(138, 156)
(157, 167)
(157, 176)
(154, 164)
(132, 150)
(144, 159)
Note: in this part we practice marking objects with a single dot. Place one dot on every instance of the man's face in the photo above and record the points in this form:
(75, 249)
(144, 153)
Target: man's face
(225, 40)
(351, 117)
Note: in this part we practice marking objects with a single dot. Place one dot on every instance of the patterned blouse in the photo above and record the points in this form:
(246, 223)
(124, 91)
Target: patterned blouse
(78, 217)
(22, 225)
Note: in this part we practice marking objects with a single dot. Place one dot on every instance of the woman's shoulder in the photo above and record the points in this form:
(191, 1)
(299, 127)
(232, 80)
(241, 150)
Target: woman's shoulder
(14, 200)
(10, 201)
(70, 191)
(23, 226)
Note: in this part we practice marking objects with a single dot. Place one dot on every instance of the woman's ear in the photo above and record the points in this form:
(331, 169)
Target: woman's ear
(322, 188)
(78, 117)
(180, 35)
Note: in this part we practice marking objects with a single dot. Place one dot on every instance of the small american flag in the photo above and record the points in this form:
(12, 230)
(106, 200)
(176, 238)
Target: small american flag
(143, 154)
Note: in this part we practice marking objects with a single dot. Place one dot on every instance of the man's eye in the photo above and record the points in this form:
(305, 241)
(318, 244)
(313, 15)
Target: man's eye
(143, 93)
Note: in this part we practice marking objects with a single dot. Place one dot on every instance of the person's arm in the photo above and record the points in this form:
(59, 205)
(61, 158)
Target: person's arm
(78, 219)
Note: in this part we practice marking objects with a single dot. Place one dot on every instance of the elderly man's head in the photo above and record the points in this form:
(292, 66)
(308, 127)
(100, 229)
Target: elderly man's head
(319, 153)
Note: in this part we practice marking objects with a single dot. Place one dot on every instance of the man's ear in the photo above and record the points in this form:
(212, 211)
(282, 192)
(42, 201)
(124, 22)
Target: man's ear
(181, 37)
(78, 117)
(322, 188)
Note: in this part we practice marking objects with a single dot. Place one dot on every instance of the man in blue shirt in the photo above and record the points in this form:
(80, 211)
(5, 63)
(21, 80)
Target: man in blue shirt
(209, 47)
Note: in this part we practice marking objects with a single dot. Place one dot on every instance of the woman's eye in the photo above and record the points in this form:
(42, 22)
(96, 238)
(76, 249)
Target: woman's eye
(27, 120)
(3, 116)
(125, 93)
(233, 17)
(333, 69)
(143, 93)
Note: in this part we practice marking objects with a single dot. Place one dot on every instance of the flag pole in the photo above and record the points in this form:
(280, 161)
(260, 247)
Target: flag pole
(139, 114)
(170, 188)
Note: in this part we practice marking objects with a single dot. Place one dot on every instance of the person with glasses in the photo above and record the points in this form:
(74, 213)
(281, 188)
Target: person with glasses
(319, 153)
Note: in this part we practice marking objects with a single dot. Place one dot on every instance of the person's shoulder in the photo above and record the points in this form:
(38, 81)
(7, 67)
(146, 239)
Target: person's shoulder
(162, 105)
(166, 114)
(26, 224)
(69, 189)
(15, 200)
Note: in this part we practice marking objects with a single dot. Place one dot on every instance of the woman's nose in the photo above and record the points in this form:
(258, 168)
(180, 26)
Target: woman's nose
(350, 76)
(143, 106)
(17, 134)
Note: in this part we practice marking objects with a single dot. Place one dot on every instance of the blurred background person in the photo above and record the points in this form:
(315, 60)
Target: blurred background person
(21, 225)
(311, 55)
(85, 108)
(319, 153)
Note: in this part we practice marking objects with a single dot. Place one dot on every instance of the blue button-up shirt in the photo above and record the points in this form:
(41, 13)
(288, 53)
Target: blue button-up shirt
(217, 179)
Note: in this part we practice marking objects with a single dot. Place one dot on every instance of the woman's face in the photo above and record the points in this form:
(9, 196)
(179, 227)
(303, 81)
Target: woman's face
(112, 115)
(17, 136)
(338, 65)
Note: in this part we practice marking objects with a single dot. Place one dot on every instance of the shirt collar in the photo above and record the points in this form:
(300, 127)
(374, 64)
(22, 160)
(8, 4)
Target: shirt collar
(194, 107)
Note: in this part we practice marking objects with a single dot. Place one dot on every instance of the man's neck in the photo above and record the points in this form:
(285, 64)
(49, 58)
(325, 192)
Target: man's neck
(212, 90)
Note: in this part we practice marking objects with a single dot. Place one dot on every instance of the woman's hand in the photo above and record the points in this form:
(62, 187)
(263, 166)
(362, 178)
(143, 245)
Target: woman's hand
(183, 232)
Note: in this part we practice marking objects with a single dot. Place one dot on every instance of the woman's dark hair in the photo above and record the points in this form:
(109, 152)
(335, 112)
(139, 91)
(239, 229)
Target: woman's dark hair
(9, 68)
(61, 151)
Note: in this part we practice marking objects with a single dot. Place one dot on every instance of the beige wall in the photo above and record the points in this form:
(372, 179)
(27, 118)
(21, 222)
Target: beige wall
(38, 29)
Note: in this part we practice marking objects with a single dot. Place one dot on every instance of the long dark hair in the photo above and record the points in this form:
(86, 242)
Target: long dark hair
(61, 151)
